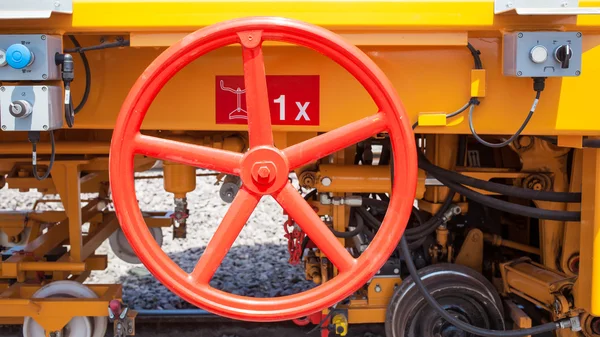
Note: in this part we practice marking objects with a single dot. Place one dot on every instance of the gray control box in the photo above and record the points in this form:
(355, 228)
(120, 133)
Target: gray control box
(29, 57)
(31, 108)
(542, 54)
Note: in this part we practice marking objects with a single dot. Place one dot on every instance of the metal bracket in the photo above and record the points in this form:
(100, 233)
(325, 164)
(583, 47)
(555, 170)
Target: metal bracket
(542, 7)
(34, 9)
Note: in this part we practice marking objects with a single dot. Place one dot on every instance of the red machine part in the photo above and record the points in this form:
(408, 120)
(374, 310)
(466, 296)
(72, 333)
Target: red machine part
(263, 169)
(295, 238)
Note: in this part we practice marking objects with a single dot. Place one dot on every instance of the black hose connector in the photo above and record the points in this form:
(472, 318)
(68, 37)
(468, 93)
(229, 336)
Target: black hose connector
(68, 74)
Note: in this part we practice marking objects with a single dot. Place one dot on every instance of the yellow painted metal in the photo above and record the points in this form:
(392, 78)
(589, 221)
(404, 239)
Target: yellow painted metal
(478, 83)
(588, 283)
(432, 119)
(359, 179)
(179, 179)
(53, 313)
(471, 252)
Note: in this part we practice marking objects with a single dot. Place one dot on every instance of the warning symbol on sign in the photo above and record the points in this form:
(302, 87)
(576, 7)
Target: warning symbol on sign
(293, 100)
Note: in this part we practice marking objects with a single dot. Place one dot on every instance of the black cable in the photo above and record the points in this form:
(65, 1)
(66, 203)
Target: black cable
(79, 49)
(34, 138)
(539, 84)
(508, 207)
(512, 191)
(360, 227)
(88, 73)
(458, 323)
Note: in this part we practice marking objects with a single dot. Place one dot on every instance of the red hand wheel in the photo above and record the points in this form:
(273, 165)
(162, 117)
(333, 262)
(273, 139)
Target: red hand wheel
(263, 168)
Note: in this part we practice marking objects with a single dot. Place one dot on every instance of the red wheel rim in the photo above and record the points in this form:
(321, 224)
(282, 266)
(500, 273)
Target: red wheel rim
(263, 168)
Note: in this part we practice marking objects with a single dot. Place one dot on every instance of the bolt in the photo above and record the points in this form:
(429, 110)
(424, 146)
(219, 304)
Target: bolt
(263, 172)
(396, 271)
(130, 331)
(577, 73)
(249, 37)
(56, 3)
(2, 89)
(3, 127)
(557, 306)
(520, 35)
(23, 94)
(377, 288)
(326, 181)
(509, 4)
(43, 89)
(45, 127)
(44, 76)
(565, 4)
(578, 34)
(519, 73)
(525, 141)
(43, 37)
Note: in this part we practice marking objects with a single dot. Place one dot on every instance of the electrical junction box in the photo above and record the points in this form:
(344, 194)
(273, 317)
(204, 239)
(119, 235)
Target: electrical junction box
(542, 54)
(29, 57)
(31, 108)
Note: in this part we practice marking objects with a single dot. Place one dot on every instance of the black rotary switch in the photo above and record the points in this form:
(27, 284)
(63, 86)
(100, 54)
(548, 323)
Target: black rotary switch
(563, 55)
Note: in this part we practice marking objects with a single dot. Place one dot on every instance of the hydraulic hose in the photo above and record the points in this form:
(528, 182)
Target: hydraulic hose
(507, 190)
(458, 323)
(360, 227)
(508, 207)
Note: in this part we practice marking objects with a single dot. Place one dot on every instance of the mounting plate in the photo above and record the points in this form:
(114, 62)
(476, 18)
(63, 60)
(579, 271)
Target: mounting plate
(34, 9)
(542, 7)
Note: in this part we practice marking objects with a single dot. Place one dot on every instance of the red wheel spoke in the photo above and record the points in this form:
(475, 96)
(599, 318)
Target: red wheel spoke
(188, 154)
(235, 219)
(311, 223)
(257, 99)
(335, 140)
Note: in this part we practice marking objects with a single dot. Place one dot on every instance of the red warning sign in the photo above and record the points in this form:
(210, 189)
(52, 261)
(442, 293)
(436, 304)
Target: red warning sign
(294, 100)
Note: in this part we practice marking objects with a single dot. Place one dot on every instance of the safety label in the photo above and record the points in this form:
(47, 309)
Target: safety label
(294, 100)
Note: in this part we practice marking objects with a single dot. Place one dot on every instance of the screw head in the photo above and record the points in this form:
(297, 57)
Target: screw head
(3, 127)
(520, 35)
(23, 94)
(250, 37)
(56, 3)
(396, 271)
(43, 89)
(577, 73)
(326, 181)
(509, 4)
(43, 37)
(45, 127)
(377, 288)
(578, 34)
(519, 73)
(2, 89)
(44, 76)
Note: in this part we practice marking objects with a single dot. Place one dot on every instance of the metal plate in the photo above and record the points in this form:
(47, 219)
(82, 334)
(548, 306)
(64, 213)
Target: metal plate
(34, 9)
(542, 7)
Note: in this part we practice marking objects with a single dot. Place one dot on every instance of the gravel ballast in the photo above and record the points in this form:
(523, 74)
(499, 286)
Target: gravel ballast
(257, 264)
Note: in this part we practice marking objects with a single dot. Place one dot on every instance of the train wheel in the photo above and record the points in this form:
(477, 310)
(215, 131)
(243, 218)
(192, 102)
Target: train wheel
(263, 169)
(122, 249)
(460, 290)
(78, 326)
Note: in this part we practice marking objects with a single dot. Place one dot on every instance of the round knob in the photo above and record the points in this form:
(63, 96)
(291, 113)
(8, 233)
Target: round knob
(2, 57)
(563, 54)
(538, 54)
(20, 109)
(18, 56)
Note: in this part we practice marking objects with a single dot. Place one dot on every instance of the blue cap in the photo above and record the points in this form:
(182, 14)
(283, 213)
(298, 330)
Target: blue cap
(18, 56)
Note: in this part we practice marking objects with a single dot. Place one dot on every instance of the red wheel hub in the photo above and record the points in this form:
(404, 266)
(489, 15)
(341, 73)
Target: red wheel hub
(263, 169)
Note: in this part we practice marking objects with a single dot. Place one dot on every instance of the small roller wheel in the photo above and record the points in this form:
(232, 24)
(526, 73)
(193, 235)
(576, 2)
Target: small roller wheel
(460, 290)
(122, 249)
(79, 326)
